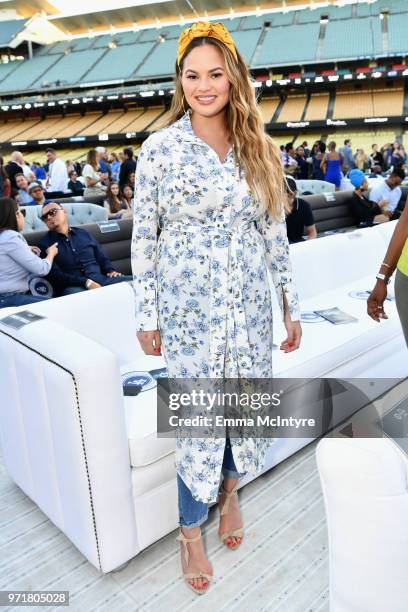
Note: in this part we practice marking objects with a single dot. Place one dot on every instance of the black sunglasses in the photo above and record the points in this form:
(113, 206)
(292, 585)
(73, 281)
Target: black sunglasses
(51, 213)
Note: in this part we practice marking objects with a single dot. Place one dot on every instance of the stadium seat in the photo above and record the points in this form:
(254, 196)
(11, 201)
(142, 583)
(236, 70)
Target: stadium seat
(78, 214)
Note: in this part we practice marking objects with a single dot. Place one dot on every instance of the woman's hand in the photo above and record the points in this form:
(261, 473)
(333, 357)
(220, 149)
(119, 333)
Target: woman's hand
(294, 330)
(375, 302)
(150, 341)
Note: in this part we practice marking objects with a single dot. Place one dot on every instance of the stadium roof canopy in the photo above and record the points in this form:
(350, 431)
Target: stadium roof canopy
(79, 17)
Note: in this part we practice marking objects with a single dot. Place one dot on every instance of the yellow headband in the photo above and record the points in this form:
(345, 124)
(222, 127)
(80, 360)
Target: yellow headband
(205, 28)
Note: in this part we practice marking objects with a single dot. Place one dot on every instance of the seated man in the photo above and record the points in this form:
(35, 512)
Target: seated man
(388, 190)
(364, 211)
(36, 191)
(300, 217)
(81, 263)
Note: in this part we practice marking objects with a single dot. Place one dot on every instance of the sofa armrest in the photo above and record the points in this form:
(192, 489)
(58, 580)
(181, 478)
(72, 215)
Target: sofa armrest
(63, 433)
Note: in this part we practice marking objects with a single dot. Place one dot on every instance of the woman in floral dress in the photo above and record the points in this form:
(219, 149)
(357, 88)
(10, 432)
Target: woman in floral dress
(212, 181)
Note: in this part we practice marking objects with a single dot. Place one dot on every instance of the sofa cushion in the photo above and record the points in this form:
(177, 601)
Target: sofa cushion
(326, 347)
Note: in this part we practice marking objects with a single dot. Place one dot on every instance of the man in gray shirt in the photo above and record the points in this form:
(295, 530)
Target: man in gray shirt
(347, 153)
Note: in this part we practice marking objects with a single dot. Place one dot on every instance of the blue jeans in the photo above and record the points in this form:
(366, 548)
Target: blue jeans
(108, 281)
(194, 513)
(19, 299)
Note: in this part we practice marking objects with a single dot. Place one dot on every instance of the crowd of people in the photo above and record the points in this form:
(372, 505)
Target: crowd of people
(325, 162)
(101, 174)
(112, 177)
(69, 257)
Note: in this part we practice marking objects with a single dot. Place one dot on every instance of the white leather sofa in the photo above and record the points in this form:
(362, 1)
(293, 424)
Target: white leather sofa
(314, 186)
(89, 457)
(365, 488)
(78, 214)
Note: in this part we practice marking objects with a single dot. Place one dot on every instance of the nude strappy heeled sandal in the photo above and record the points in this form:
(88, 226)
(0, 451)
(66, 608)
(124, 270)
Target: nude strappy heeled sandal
(235, 533)
(182, 538)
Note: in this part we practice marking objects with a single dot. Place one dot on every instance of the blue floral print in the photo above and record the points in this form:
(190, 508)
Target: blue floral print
(203, 282)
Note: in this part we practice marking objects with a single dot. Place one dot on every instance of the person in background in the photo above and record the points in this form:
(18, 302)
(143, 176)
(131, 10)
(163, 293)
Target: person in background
(132, 181)
(22, 195)
(127, 167)
(81, 263)
(57, 172)
(127, 195)
(115, 167)
(396, 258)
(14, 166)
(300, 216)
(361, 160)
(288, 159)
(39, 171)
(93, 176)
(117, 208)
(18, 261)
(318, 151)
(74, 185)
(104, 164)
(365, 212)
(36, 192)
(376, 158)
(70, 166)
(331, 165)
(389, 190)
(397, 155)
(302, 170)
(5, 184)
(346, 153)
(305, 148)
(387, 155)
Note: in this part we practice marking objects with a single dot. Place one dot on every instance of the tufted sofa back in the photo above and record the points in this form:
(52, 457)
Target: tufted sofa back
(78, 214)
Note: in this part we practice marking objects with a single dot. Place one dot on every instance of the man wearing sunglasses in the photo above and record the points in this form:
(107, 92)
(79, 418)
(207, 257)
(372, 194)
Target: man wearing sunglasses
(81, 263)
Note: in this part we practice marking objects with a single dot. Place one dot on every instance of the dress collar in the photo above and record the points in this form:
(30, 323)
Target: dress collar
(188, 134)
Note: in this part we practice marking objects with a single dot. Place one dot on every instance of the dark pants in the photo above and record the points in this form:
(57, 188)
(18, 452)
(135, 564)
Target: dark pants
(19, 299)
(108, 281)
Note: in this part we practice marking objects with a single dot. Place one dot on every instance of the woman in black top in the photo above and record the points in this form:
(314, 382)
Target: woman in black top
(300, 216)
(365, 213)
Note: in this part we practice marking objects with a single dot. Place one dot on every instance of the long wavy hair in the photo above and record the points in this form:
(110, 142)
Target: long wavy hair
(254, 150)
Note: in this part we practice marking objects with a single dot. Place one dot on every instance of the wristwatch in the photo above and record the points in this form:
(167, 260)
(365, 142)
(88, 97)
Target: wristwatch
(385, 279)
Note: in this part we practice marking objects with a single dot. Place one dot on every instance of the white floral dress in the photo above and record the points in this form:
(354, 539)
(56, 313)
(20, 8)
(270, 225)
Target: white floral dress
(203, 283)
